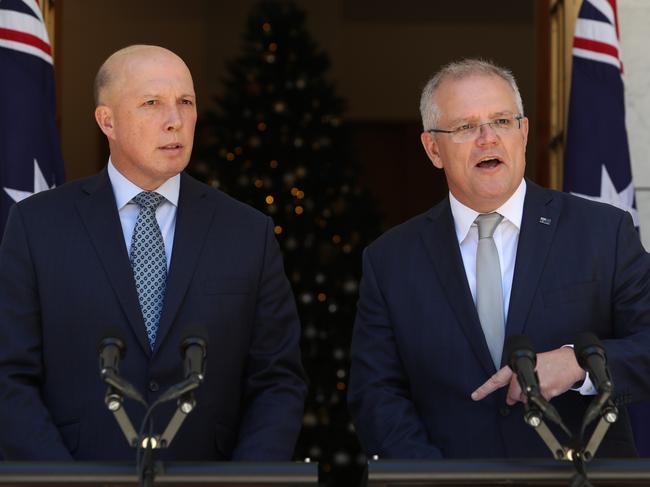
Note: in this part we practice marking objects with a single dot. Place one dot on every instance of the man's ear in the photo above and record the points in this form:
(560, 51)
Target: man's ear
(104, 118)
(431, 148)
(524, 128)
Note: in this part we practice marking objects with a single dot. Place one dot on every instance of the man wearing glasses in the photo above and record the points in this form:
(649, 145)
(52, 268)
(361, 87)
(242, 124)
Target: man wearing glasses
(500, 256)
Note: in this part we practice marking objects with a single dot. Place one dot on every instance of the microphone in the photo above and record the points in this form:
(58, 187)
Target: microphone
(193, 351)
(522, 360)
(591, 357)
(111, 350)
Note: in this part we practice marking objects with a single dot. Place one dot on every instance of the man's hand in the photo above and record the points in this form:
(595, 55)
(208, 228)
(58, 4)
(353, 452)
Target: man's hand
(557, 371)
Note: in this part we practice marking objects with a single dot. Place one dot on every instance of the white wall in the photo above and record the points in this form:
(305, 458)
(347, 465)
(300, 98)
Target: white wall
(634, 18)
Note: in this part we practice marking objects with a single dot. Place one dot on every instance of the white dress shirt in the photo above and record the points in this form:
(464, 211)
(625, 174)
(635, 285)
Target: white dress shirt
(506, 238)
(124, 191)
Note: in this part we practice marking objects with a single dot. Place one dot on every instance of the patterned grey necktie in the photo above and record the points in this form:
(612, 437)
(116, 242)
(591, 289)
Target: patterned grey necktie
(489, 291)
(149, 261)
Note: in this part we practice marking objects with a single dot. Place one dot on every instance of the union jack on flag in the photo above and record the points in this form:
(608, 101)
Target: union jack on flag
(30, 152)
(597, 156)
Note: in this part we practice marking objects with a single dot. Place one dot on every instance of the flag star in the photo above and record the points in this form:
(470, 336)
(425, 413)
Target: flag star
(40, 184)
(608, 194)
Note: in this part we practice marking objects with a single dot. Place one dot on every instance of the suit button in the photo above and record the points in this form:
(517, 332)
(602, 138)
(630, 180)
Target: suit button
(504, 411)
(153, 386)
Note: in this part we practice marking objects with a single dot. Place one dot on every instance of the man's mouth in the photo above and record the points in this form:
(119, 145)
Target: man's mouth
(173, 146)
(489, 162)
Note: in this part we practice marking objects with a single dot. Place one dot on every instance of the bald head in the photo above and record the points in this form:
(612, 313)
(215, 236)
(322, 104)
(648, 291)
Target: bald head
(114, 70)
(146, 107)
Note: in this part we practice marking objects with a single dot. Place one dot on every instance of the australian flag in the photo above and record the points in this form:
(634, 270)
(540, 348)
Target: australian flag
(30, 154)
(597, 158)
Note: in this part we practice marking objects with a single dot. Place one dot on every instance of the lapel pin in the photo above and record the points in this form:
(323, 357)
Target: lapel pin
(544, 220)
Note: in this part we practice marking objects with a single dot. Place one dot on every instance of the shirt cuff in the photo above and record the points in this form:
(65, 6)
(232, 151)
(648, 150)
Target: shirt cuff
(587, 387)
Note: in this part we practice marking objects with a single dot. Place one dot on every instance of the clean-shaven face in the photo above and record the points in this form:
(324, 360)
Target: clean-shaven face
(482, 173)
(149, 115)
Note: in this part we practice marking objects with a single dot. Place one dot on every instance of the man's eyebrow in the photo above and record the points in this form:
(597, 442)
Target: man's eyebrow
(474, 118)
(501, 113)
(155, 95)
(456, 121)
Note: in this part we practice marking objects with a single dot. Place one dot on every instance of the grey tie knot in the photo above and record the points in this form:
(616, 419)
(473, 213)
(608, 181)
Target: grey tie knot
(148, 199)
(487, 224)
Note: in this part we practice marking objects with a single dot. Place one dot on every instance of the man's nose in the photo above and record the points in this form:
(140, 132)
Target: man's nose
(174, 119)
(487, 134)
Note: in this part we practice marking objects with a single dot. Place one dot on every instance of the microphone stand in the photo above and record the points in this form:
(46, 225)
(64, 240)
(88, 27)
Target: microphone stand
(118, 388)
(114, 402)
(534, 412)
(608, 416)
(534, 418)
(186, 404)
(145, 468)
(183, 392)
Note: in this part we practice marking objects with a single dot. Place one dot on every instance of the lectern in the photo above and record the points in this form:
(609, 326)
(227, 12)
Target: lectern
(513, 473)
(81, 474)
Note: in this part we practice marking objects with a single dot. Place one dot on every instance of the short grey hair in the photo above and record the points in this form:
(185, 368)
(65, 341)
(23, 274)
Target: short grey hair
(102, 80)
(458, 70)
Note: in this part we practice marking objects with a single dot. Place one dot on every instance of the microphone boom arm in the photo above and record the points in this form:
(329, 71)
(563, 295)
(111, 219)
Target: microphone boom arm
(609, 415)
(114, 402)
(535, 419)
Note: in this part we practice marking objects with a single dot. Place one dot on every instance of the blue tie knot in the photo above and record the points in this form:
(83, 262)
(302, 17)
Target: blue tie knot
(148, 199)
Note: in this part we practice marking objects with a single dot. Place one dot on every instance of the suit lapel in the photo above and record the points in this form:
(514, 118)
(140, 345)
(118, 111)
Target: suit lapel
(100, 217)
(540, 219)
(439, 238)
(193, 217)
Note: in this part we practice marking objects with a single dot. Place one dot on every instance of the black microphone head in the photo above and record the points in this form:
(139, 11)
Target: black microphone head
(112, 336)
(586, 344)
(519, 346)
(193, 340)
(111, 349)
(193, 352)
(194, 335)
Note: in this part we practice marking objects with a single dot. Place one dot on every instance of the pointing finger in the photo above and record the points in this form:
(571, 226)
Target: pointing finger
(497, 381)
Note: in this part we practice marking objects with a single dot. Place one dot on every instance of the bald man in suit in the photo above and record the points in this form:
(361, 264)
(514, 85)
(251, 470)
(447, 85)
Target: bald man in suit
(67, 275)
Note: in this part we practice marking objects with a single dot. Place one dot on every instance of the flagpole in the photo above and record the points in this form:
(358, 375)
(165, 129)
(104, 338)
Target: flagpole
(563, 15)
(49, 19)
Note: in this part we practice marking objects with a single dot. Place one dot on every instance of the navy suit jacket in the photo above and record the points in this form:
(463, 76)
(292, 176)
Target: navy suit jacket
(418, 350)
(65, 279)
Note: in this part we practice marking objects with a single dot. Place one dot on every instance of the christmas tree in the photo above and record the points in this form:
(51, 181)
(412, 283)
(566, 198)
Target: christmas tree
(277, 142)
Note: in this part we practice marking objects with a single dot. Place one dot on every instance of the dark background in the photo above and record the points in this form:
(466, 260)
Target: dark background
(382, 53)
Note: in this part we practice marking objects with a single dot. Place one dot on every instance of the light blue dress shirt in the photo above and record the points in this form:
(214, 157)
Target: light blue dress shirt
(124, 191)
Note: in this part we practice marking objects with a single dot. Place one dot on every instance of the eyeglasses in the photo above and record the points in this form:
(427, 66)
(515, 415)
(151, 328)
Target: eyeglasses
(470, 131)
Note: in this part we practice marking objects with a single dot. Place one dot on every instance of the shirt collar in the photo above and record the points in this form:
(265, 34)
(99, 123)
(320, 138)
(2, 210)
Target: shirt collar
(124, 190)
(512, 211)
